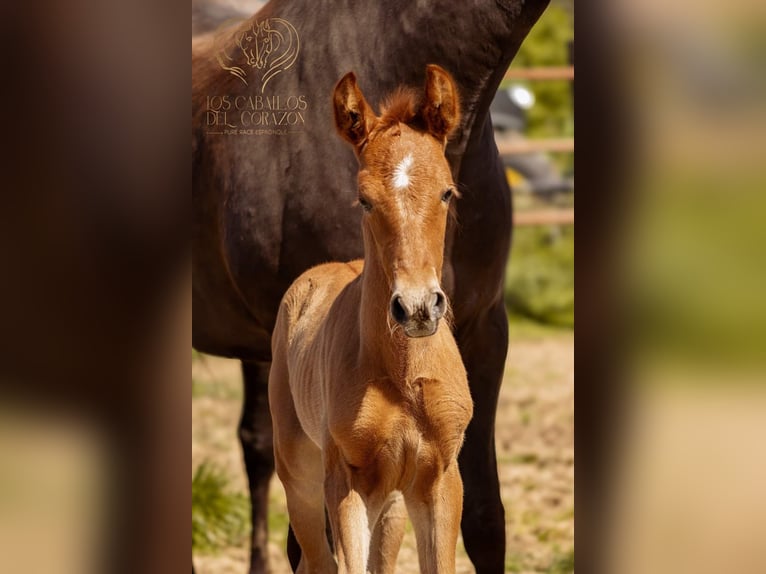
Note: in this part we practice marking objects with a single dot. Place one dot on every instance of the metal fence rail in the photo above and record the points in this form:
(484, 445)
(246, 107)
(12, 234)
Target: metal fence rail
(519, 146)
(547, 73)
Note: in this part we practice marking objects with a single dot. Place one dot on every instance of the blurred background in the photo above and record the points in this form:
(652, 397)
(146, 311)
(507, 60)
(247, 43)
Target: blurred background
(533, 117)
(689, 458)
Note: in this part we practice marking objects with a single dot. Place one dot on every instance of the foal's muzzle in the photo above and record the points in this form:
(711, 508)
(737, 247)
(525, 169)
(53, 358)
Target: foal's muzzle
(418, 313)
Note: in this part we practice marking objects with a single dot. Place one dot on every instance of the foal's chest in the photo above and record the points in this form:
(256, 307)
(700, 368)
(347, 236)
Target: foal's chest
(394, 434)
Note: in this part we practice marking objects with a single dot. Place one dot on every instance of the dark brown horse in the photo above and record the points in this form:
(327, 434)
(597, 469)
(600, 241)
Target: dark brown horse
(274, 194)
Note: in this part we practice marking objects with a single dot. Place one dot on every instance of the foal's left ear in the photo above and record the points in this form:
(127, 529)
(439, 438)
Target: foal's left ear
(441, 104)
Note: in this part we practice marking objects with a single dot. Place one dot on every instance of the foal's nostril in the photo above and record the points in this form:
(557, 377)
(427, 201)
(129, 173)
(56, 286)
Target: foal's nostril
(440, 305)
(398, 312)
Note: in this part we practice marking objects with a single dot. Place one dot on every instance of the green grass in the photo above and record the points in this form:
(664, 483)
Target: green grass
(539, 286)
(525, 458)
(278, 525)
(514, 563)
(220, 517)
(567, 514)
(562, 563)
(216, 390)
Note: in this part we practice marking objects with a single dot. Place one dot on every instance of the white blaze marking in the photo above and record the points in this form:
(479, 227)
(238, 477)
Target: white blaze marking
(402, 172)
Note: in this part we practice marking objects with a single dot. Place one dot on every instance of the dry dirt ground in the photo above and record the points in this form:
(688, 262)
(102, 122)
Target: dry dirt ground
(535, 435)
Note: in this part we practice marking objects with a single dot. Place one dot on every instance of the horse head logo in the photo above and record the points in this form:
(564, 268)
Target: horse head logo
(268, 48)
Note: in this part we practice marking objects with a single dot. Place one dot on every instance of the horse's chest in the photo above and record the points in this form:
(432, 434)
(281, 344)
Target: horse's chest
(396, 435)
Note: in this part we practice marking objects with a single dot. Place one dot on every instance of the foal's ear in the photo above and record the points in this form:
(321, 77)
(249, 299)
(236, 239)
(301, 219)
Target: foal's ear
(353, 115)
(441, 104)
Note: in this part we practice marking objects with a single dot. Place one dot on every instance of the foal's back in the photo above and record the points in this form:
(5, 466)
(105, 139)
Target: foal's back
(300, 336)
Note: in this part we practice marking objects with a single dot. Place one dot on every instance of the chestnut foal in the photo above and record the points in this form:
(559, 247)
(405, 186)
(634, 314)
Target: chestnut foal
(367, 390)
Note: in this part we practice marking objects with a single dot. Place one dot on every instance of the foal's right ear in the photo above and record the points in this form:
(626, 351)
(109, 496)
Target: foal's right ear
(441, 104)
(353, 115)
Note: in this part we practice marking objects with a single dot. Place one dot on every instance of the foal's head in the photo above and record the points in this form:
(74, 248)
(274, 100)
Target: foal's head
(405, 187)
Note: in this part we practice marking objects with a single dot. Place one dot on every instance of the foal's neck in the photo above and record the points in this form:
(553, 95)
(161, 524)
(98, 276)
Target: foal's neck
(381, 340)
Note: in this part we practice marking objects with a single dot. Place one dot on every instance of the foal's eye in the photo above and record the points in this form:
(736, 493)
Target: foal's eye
(366, 205)
(447, 195)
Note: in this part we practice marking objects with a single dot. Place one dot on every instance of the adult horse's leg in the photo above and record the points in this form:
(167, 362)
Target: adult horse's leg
(484, 345)
(256, 438)
(293, 549)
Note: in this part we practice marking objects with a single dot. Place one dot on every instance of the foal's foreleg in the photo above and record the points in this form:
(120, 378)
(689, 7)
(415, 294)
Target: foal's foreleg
(347, 510)
(305, 503)
(435, 511)
(387, 535)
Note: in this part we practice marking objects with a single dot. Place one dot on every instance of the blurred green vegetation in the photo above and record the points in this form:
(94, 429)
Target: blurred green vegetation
(220, 517)
(696, 282)
(552, 116)
(546, 45)
(563, 563)
(539, 284)
(215, 389)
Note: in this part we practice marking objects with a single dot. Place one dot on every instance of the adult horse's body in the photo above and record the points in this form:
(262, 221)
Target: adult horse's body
(268, 207)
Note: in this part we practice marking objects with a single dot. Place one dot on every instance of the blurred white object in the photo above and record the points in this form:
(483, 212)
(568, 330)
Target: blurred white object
(521, 96)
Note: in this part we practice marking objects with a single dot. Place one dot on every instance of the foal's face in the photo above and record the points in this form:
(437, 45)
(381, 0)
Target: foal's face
(405, 188)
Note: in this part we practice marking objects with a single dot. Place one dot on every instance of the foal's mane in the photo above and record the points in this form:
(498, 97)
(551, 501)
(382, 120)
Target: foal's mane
(400, 106)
